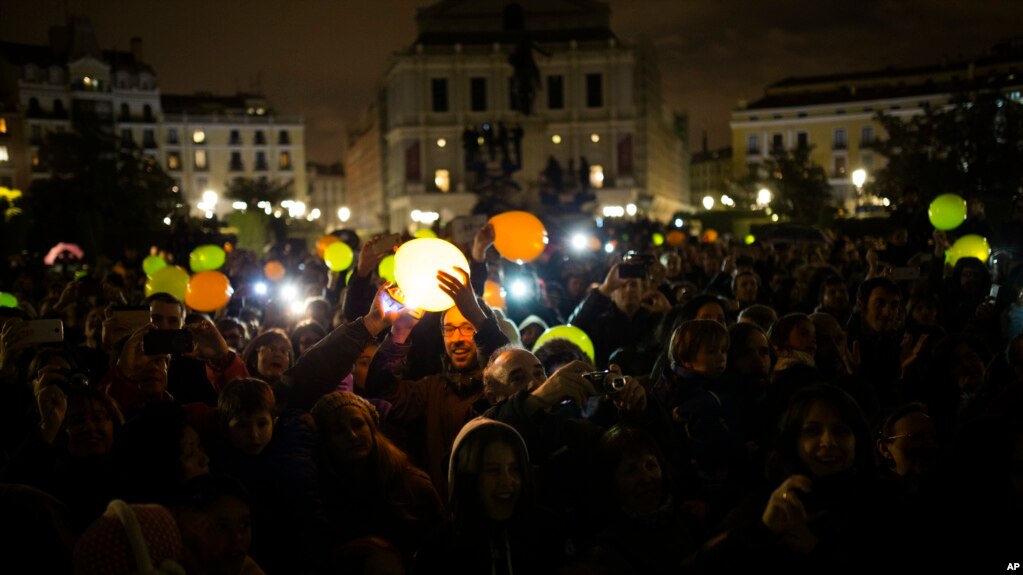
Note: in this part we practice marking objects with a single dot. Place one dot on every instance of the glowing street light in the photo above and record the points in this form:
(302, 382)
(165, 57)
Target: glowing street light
(763, 197)
(708, 202)
(859, 177)
(344, 214)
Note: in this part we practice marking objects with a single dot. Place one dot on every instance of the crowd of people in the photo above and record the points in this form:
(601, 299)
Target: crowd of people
(747, 406)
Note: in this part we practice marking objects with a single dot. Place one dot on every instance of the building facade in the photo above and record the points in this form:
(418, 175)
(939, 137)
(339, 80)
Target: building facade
(711, 173)
(452, 115)
(202, 141)
(327, 193)
(836, 115)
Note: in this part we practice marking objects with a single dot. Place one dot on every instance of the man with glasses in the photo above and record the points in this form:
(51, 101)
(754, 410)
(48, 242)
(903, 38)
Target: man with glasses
(434, 408)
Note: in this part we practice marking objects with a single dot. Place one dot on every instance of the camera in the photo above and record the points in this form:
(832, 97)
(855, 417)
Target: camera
(634, 265)
(167, 341)
(605, 382)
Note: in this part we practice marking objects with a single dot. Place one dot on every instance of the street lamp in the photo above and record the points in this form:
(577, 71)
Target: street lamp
(763, 197)
(708, 202)
(859, 177)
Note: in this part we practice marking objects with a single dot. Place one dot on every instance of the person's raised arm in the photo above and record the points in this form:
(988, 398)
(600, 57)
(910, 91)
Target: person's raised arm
(322, 367)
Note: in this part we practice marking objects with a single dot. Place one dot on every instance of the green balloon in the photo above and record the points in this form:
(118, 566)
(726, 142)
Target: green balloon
(8, 300)
(658, 238)
(386, 268)
(947, 211)
(969, 246)
(206, 258)
(572, 334)
(153, 264)
(338, 256)
(171, 279)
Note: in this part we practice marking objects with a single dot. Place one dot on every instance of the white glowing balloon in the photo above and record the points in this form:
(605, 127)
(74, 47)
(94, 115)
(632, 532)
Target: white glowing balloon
(416, 264)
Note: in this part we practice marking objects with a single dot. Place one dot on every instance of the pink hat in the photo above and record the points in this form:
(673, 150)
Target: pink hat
(130, 539)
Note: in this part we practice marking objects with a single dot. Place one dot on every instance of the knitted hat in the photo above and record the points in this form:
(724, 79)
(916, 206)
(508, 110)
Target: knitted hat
(141, 539)
(533, 320)
(329, 405)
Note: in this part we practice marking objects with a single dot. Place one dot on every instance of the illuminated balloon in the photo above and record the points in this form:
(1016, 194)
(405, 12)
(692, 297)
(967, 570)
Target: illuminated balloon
(153, 264)
(493, 295)
(572, 334)
(324, 242)
(425, 233)
(208, 291)
(348, 276)
(338, 256)
(657, 238)
(8, 300)
(969, 246)
(171, 279)
(274, 271)
(675, 238)
(750, 239)
(386, 268)
(709, 236)
(947, 211)
(415, 271)
(519, 236)
(206, 258)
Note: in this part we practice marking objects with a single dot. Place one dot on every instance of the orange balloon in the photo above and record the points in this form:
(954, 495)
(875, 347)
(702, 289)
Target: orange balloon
(208, 291)
(675, 238)
(274, 271)
(492, 294)
(709, 236)
(324, 242)
(519, 236)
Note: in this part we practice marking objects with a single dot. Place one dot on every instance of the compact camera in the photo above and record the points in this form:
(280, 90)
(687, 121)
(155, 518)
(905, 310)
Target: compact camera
(605, 382)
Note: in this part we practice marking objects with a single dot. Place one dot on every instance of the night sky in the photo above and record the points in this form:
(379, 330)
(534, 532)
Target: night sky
(321, 58)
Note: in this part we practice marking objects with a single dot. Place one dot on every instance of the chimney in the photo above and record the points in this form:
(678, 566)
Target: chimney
(136, 49)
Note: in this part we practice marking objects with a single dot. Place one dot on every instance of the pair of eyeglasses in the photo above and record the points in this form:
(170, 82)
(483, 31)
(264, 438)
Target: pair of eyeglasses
(464, 329)
(914, 437)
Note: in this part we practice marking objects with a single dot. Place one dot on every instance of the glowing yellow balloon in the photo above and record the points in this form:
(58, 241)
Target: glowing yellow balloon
(338, 256)
(415, 271)
(969, 246)
(425, 233)
(171, 279)
(572, 334)
(386, 268)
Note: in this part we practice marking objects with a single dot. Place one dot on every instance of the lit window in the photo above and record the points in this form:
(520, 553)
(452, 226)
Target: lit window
(285, 161)
(3, 154)
(200, 159)
(597, 176)
(3, 125)
(442, 179)
(198, 136)
(173, 161)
